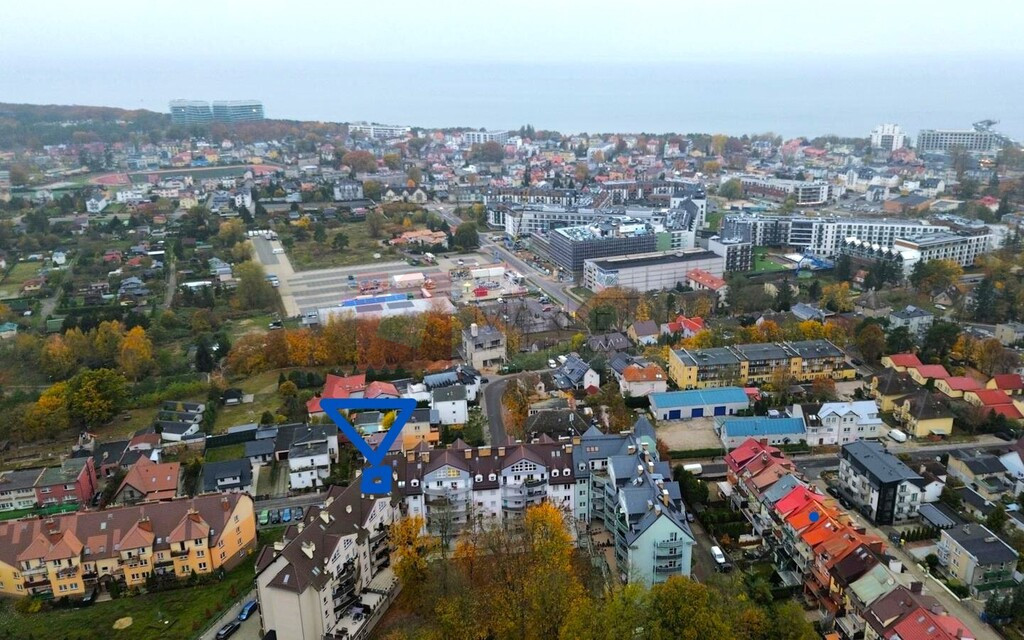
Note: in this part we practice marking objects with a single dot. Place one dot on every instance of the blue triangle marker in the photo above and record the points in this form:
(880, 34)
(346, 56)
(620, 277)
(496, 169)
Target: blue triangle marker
(376, 478)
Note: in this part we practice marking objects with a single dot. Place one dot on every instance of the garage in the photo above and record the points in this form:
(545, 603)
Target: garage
(675, 414)
(698, 412)
(720, 411)
(698, 403)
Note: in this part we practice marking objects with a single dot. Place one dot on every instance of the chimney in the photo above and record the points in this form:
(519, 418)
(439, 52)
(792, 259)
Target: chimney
(279, 546)
(763, 442)
(650, 467)
(225, 503)
(474, 330)
(326, 517)
(410, 456)
(576, 440)
(308, 548)
(664, 497)
(568, 448)
(301, 525)
(631, 449)
(424, 456)
(328, 501)
(915, 587)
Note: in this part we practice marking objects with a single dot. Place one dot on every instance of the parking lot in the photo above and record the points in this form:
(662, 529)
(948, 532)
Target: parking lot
(686, 435)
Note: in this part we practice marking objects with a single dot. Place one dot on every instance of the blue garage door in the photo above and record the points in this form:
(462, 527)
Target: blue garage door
(697, 413)
(675, 414)
(720, 411)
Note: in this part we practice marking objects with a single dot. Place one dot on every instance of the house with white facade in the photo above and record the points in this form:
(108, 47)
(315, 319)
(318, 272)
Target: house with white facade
(915, 319)
(883, 488)
(831, 423)
(309, 465)
(450, 404)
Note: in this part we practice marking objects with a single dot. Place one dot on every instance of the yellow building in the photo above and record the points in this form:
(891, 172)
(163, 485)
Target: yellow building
(922, 414)
(755, 364)
(72, 554)
(889, 387)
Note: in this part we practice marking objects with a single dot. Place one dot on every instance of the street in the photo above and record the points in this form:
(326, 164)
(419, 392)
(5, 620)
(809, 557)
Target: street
(490, 403)
(250, 629)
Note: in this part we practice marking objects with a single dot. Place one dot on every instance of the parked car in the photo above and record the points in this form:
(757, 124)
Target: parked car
(264, 517)
(278, 250)
(719, 557)
(297, 513)
(275, 517)
(228, 630)
(248, 609)
(286, 515)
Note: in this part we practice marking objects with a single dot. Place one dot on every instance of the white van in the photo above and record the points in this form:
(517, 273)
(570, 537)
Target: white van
(897, 435)
(719, 557)
(694, 467)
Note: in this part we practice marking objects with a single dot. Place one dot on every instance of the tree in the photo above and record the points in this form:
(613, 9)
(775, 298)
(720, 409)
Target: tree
(940, 339)
(319, 233)
(204, 359)
(871, 342)
(49, 416)
(375, 221)
(57, 359)
(997, 518)
(414, 175)
(684, 609)
(935, 275)
(107, 343)
(788, 622)
(231, 232)
(96, 396)
(466, 236)
(814, 291)
(984, 307)
(253, 290)
(412, 552)
(516, 401)
(843, 268)
(392, 161)
(783, 296)
(340, 241)
(487, 152)
(731, 189)
(837, 297)
(371, 190)
(992, 358)
(360, 161)
(136, 355)
(824, 389)
(899, 340)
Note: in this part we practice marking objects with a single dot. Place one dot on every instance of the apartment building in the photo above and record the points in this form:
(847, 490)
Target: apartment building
(806, 192)
(831, 423)
(889, 137)
(820, 235)
(978, 558)
(190, 112)
(233, 111)
(655, 271)
(748, 364)
(882, 487)
(569, 247)
(537, 217)
(379, 131)
(18, 489)
(737, 253)
(74, 481)
(483, 346)
(938, 140)
(915, 319)
(500, 136)
(336, 557)
(74, 554)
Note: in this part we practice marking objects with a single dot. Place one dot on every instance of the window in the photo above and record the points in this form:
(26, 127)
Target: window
(202, 566)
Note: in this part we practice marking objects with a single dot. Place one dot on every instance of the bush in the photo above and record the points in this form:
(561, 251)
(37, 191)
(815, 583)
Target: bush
(695, 453)
(28, 605)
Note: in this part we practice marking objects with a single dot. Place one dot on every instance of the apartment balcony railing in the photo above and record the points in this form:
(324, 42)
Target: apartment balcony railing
(179, 553)
(667, 569)
(448, 492)
(34, 572)
(68, 572)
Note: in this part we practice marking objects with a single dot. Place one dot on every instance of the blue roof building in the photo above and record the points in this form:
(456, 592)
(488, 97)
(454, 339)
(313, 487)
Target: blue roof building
(776, 431)
(683, 405)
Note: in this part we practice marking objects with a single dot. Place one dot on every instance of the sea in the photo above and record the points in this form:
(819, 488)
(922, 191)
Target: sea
(797, 96)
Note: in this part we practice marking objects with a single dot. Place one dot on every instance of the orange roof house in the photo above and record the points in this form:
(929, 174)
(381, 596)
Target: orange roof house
(901, 361)
(148, 481)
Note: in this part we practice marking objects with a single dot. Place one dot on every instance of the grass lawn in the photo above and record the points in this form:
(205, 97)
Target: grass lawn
(230, 452)
(714, 219)
(10, 287)
(310, 254)
(184, 608)
(763, 264)
(582, 292)
(264, 389)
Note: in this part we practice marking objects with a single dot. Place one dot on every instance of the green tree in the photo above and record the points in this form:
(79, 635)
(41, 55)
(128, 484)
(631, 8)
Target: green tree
(360, 161)
(253, 291)
(340, 241)
(843, 268)
(392, 161)
(95, 396)
(371, 190)
(997, 519)
(871, 342)
(731, 189)
(939, 340)
(320, 233)
(899, 340)
(783, 296)
(375, 221)
(414, 175)
(466, 236)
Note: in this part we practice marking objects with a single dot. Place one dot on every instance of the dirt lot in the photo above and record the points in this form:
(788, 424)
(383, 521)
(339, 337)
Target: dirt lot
(684, 435)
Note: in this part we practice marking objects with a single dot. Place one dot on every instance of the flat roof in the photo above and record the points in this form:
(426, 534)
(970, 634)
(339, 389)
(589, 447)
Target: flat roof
(652, 259)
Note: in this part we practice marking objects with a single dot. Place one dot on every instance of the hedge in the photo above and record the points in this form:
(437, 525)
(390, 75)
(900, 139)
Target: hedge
(695, 453)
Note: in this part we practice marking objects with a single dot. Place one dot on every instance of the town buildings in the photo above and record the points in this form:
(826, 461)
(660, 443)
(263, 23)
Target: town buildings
(805, 192)
(888, 138)
(978, 558)
(483, 346)
(649, 271)
(569, 247)
(881, 486)
(76, 553)
(234, 111)
(831, 423)
(748, 364)
(682, 405)
(931, 140)
(500, 136)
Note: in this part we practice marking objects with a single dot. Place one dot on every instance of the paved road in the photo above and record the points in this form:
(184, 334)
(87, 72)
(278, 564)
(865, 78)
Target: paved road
(491, 405)
(172, 284)
(250, 629)
(279, 265)
(303, 500)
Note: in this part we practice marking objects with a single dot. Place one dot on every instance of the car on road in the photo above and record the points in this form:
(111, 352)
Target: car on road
(484, 380)
(278, 250)
(248, 609)
(264, 517)
(228, 630)
(286, 514)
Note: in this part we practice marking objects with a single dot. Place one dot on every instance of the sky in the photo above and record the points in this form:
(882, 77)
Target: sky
(575, 65)
(518, 31)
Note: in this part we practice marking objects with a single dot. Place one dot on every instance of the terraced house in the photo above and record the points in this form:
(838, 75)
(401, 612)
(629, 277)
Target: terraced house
(750, 364)
(74, 554)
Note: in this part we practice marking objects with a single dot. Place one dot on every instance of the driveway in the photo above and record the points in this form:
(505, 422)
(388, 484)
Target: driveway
(279, 265)
(490, 402)
(250, 629)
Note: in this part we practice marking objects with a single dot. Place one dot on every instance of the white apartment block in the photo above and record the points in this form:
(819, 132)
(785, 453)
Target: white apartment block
(962, 249)
(888, 137)
(480, 137)
(806, 192)
(885, 489)
(379, 131)
(649, 271)
(931, 140)
(832, 423)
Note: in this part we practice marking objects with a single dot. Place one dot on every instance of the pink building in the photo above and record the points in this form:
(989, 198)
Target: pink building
(72, 482)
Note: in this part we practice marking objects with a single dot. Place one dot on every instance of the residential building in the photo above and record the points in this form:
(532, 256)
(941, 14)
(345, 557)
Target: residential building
(644, 332)
(148, 481)
(982, 472)
(956, 386)
(888, 138)
(735, 430)
(570, 247)
(233, 111)
(500, 136)
(682, 405)
(923, 414)
(749, 364)
(1009, 333)
(17, 489)
(649, 271)
(932, 140)
(450, 404)
(641, 378)
(309, 465)
(337, 387)
(737, 253)
(820, 235)
(75, 553)
(915, 319)
(74, 481)
(905, 252)
(190, 112)
(379, 131)
(337, 556)
(683, 327)
(483, 346)
(96, 204)
(881, 486)
(422, 426)
(227, 476)
(806, 192)
(978, 558)
(832, 423)
(575, 373)
(701, 280)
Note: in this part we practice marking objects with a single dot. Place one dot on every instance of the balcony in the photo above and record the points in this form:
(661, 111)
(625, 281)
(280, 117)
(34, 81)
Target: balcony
(179, 553)
(665, 569)
(534, 483)
(68, 572)
(514, 508)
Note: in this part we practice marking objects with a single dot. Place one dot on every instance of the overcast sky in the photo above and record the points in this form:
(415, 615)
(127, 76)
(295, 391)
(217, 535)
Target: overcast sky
(515, 31)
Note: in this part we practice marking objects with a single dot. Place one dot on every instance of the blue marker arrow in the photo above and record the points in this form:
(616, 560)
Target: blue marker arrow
(376, 477)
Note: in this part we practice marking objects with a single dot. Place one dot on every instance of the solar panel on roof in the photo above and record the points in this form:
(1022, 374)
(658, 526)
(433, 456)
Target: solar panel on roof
(404, 304)
(369, 308)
